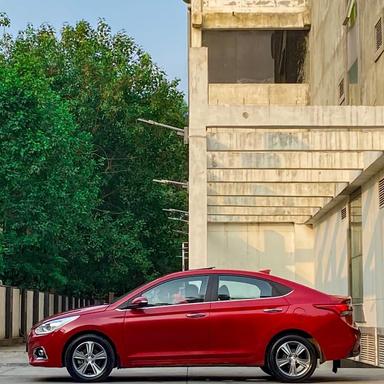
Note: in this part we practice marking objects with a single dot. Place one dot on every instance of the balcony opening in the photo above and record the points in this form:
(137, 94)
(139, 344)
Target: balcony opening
(260, 56)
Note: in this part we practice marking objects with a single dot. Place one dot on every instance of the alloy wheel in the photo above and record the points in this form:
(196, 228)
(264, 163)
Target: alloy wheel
(293, 359)
(89, 359)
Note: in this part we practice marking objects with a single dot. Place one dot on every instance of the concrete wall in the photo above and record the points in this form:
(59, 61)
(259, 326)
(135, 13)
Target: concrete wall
(331, 253)
(229, 14)
(286, 249)
(249, 6)
(259, 94)
(327, 46)
(372, 72)
(373, 246)
(328, 53)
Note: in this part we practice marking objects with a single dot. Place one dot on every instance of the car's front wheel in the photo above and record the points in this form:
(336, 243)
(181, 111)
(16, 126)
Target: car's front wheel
(89, 358)
(292, 359)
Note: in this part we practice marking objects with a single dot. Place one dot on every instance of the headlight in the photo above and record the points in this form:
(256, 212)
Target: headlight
(52, 325)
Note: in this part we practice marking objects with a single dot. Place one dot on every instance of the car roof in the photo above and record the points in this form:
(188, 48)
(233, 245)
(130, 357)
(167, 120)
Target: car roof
(263, 274)
(214, 271)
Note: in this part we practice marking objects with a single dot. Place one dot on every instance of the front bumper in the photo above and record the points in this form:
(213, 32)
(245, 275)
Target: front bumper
(45, 350)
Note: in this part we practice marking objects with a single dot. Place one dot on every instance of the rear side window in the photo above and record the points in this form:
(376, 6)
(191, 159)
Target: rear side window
(246, 288)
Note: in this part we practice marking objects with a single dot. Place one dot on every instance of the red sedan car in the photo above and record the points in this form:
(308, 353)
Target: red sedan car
(202, 317)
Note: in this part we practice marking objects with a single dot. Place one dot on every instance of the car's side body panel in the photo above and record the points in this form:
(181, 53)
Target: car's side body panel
(166, 335)
(241, 329)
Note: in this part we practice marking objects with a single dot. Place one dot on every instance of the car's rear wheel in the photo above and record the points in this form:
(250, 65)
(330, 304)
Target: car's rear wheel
(89, 358)
(292, 359)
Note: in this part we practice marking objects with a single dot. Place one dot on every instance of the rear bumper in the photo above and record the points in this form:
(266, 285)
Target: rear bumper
(341, 343)
(356, 347)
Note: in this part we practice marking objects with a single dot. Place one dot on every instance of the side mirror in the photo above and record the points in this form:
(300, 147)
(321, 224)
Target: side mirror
(138, 302)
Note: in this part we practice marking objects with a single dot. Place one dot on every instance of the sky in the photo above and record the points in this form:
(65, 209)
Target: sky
(158, 26)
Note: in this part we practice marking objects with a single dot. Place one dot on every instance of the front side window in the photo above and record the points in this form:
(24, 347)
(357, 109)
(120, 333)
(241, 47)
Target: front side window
(178, 291)
(243, 288)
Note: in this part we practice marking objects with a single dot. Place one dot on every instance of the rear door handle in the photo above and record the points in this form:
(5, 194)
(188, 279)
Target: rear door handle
(273, 310)
(195, 315)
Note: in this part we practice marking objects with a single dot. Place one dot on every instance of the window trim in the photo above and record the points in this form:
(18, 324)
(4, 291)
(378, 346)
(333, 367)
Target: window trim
(215, 298)
(207, 293)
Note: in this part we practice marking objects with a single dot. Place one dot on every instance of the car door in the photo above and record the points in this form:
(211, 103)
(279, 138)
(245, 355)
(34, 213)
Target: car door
(174, 328)
(247, 312)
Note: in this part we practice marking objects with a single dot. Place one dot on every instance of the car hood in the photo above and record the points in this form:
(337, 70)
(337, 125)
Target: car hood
(75, 312)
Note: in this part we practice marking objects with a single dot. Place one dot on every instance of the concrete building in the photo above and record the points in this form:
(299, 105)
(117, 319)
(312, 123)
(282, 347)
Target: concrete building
(286, 138)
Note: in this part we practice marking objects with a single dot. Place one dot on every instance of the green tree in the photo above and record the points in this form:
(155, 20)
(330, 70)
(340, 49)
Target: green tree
(107, 82)
(48, 183)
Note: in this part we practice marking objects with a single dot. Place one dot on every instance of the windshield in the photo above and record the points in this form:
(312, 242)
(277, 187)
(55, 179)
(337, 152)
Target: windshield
(128, 293)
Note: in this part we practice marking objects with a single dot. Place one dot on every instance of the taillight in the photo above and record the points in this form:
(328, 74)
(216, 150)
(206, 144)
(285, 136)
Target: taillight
(343, 309)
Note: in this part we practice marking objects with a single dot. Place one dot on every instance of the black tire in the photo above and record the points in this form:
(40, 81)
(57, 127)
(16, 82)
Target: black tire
(86, 368)
(266, 370)
(293, 368)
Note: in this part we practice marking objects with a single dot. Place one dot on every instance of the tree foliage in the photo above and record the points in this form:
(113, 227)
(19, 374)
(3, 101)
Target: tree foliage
(79, 209)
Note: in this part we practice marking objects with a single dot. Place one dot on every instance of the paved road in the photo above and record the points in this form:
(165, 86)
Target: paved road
(15, 370)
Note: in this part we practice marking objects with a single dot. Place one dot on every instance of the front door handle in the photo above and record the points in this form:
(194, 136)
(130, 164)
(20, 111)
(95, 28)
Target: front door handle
(273, 310)
(195, 315)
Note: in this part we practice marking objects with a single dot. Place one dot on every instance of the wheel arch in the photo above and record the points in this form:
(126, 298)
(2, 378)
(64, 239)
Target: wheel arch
(90, 332)
(295, 332)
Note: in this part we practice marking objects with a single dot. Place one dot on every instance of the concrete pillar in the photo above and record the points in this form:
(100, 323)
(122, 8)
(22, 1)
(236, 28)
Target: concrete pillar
(46, 304)
(196, 19)
(36, 307)
(29, 310)
(16, 319)
(41, 306)
(8, 312)
(2, 312)
(23, 312)
(198, 87)
(51, 304)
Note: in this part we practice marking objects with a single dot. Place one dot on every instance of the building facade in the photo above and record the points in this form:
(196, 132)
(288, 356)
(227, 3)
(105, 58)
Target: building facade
(286, 141)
